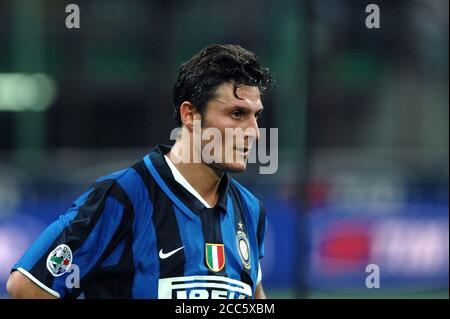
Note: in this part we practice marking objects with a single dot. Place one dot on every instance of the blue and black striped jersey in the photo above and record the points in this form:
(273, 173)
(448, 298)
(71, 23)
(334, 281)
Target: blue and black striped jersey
(138, 233)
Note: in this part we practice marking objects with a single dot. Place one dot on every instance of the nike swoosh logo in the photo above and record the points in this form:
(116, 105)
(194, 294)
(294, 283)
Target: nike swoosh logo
(170, 253)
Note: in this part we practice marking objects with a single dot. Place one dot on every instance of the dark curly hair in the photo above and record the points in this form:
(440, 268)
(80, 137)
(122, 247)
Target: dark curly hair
(200, 76)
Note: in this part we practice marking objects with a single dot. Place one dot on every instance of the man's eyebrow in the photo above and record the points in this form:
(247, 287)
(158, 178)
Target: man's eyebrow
(245, 109)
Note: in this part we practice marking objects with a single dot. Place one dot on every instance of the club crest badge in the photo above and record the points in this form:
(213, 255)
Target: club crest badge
(59, 260)
(243, 246)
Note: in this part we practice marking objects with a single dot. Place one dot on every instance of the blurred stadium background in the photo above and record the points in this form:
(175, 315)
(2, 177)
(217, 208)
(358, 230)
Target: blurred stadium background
(362, 116)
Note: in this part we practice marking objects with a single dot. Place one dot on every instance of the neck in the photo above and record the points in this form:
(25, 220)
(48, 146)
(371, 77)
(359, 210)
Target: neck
(203, 178)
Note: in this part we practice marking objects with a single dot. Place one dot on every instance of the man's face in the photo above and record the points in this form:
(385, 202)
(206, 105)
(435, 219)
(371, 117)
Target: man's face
(229, 114)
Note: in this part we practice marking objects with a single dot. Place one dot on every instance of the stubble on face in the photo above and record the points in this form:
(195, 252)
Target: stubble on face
(229, 114)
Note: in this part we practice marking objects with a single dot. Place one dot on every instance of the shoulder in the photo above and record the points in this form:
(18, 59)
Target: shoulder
(255, 206)
(127, 183)
(244, 191)
(116, 176)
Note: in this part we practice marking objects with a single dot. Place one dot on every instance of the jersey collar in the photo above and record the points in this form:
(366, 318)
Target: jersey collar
(158, 160)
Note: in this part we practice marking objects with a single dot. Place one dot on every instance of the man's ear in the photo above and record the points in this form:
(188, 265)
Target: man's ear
(188, 114)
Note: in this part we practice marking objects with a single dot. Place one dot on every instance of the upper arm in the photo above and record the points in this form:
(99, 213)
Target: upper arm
(261, 229)
(20, 286)
(261, 234)
(83, 237)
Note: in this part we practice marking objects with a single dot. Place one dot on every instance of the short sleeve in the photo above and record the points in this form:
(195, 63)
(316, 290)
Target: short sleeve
(77, 242)
(261, 229)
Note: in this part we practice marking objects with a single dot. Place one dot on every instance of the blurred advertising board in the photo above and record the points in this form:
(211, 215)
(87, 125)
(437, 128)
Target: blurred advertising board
(409, 245)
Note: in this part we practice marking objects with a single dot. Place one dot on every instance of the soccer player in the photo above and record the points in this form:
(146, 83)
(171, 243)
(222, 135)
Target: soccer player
(170, 226)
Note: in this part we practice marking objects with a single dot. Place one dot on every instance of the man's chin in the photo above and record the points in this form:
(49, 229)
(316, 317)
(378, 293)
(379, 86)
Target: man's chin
(236, 167)
(231, 167)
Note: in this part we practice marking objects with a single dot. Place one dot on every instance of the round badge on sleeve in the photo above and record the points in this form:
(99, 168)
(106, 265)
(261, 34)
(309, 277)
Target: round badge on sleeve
(59, 260)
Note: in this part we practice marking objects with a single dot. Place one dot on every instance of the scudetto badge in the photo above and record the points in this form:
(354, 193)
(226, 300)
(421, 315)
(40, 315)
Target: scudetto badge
(215, 256)
(59, 260)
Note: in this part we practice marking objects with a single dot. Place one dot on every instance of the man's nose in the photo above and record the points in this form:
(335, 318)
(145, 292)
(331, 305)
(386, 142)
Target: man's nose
(253, 129)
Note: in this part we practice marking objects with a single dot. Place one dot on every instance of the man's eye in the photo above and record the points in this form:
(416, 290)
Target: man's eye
(236, 114)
